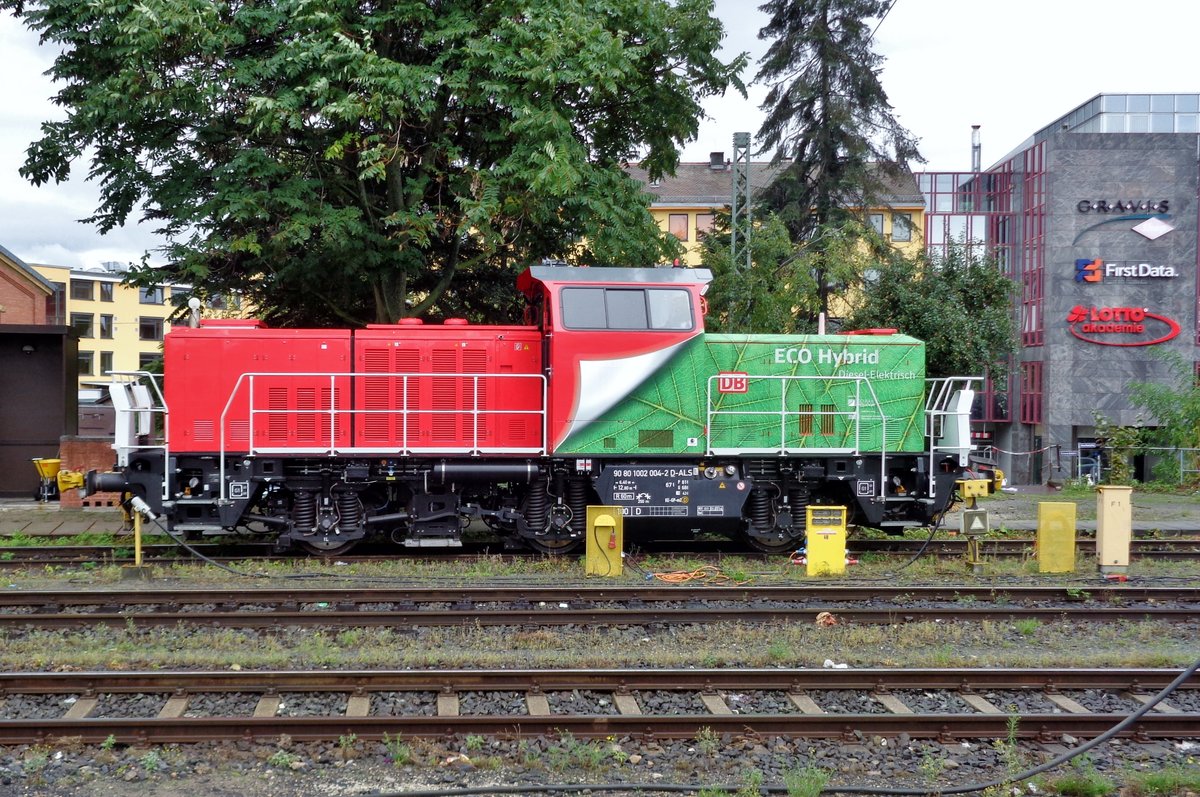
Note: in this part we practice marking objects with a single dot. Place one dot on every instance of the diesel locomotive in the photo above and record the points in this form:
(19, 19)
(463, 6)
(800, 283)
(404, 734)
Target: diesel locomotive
(611, 393)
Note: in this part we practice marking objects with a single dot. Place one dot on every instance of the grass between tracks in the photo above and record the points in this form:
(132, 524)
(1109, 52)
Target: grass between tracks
(987, 643)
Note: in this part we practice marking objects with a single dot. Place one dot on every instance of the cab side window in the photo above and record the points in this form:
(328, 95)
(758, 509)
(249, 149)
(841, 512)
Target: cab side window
(627, 309)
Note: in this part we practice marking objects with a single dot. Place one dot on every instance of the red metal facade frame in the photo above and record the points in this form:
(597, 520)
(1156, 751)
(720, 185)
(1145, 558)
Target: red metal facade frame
(1031, 392)
(1033, 246)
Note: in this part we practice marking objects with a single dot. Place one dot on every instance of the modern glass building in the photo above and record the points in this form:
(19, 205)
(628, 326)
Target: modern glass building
(1094, 217)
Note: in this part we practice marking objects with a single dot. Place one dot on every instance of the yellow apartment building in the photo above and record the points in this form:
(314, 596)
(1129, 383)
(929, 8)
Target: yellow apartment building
(120, 327)
(684, 204)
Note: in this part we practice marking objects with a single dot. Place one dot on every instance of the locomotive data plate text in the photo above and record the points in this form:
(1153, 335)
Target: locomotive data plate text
(671, 491)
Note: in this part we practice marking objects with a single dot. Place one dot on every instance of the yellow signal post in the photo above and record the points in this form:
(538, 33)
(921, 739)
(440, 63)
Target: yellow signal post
(605, 541)
(974, 520)
(825, 546)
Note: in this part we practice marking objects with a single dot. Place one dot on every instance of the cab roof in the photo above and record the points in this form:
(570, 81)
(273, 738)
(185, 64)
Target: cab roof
(550, 276)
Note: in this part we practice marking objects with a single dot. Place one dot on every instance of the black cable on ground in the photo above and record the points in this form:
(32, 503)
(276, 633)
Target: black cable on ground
(777, 789)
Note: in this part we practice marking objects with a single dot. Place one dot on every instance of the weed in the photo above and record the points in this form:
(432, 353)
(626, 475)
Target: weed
(712, 791)
(1009, 752)
(1078, 594)
(109, 743)
(151, 761)
(707, 741)
(752, 782)
(779, 651)
(1164, 782)
(807, 782)
(36, 758)
(8, 556)
(1027, 626)
(932, 767)
(530, 759)
(398, 750)
(488, 762)
(282, 759)
(1085, 782)
(619, 756)
(589, 756)
(475, 743)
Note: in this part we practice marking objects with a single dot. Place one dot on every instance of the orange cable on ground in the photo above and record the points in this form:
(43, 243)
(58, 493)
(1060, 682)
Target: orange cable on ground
(709, 574)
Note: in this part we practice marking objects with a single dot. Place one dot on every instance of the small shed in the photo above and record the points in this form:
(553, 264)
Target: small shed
(39, 400)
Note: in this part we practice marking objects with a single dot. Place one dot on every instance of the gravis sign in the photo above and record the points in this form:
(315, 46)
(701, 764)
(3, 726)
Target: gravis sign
(1096, 324)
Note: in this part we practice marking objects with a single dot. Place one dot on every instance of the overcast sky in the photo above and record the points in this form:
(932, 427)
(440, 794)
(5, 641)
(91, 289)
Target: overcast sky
(1010, 67)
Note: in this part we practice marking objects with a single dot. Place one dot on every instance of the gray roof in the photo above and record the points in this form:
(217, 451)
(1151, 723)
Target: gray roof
(21, 265)
(704, 185)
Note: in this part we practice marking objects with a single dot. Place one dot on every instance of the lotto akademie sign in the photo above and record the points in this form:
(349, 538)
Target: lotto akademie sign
(1120, 326)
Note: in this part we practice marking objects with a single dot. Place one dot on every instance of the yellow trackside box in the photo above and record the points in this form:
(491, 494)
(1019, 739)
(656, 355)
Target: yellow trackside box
(1114, 527)
(1056, 537)
(605, 541)
(825, 547)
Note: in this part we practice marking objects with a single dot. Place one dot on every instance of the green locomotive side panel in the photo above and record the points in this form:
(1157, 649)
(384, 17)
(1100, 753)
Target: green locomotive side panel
(769, 393)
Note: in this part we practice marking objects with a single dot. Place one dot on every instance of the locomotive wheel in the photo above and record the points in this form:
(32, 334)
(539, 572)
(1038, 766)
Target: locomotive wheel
(765, 546)
(327, 549)
(553, 547)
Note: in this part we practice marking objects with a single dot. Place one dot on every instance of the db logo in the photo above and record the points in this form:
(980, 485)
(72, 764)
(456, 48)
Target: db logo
(732, 382)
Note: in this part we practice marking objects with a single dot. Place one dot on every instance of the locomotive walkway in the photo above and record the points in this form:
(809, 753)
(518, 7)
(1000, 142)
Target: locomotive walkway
(34, 519)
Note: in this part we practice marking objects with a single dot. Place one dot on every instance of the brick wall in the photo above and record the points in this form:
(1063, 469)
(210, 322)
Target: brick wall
(83, 454)
(22, 302)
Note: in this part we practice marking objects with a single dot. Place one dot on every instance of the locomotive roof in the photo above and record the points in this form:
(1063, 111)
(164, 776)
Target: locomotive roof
(550, 275)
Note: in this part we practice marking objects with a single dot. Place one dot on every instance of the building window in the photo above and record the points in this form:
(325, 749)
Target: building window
(106, 291)
(902, 227)
(85, 362)
(150, 328)
(151, 295)
(83, 290)
(704, 223)
(106, 362)
(82, 324)
(1031, 392)
(876, 222)
(149, 361)
(106, 326)
(679, 225)
(56, 305)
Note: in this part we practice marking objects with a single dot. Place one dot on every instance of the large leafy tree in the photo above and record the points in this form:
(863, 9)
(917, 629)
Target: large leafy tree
(779, 294)
(828, 116)
(958, 304)
(1174, 405)
(346, 160)
(771, 296)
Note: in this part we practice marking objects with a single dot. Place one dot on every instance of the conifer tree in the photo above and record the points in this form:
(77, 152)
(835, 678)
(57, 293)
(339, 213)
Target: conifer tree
(827, 115)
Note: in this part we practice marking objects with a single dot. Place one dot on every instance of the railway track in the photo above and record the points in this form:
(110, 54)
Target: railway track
(1162, 549)
(555, 606)
(183, 707)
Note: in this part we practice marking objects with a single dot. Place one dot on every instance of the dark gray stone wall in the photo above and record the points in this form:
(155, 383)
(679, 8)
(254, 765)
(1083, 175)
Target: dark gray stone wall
(1081, 378)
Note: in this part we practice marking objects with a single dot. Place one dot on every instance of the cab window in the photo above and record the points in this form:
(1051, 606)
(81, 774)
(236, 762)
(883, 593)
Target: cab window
(627, 308)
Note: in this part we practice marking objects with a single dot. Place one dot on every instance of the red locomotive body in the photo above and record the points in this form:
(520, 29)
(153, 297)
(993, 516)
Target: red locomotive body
(226, 368)
(449, 388)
